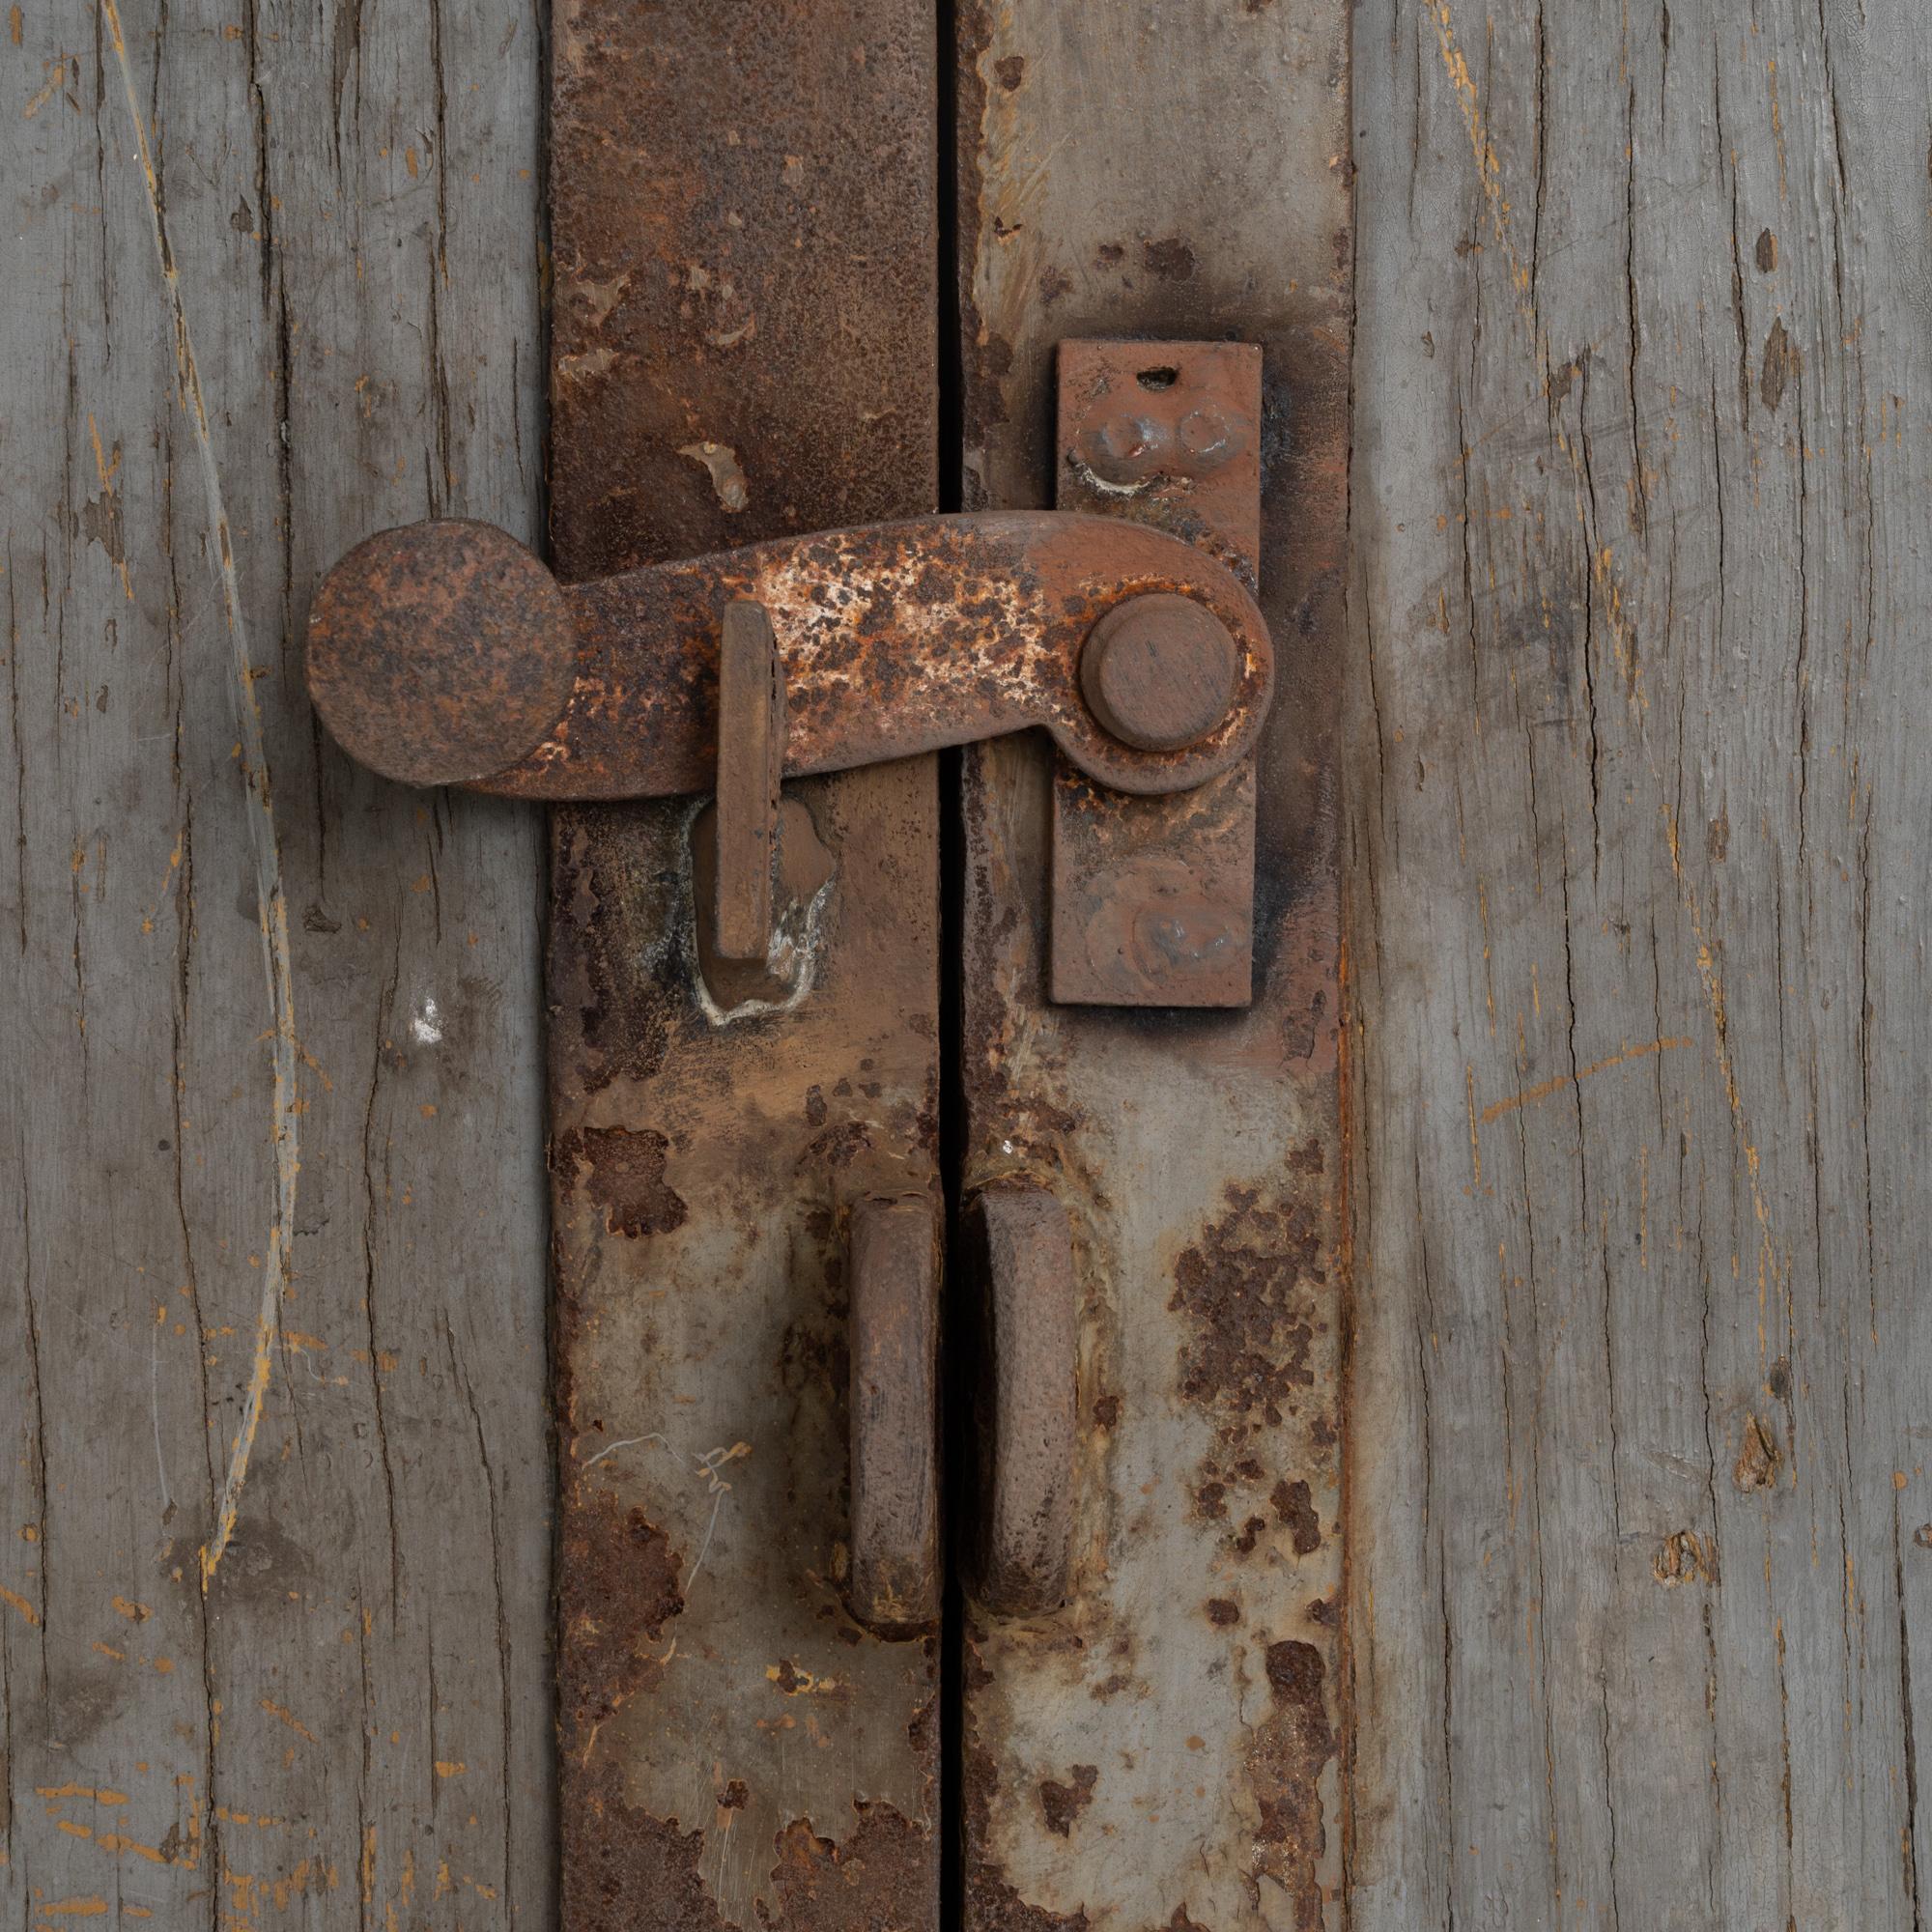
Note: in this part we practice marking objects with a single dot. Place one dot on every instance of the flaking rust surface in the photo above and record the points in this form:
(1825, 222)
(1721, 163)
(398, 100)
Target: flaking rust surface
(720, 1714)
(1196, 1669)
(742, 337)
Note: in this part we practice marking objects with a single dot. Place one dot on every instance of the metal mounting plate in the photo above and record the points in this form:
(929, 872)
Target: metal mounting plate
(1153, 898)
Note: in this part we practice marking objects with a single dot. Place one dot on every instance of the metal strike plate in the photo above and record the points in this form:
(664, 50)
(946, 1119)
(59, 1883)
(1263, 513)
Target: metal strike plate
(1153, 898)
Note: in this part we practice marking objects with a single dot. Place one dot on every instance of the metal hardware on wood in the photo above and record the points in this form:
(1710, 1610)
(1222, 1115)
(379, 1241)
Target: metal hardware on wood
(1152, 898)
(892, 1574)
(1159, 671)
(1022, 1252)
(444, 653)
(750, 764)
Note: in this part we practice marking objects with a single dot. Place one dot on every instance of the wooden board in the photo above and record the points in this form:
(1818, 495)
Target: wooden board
(743, 347)
(1162, 1750)
(1642, 1365)
(273, 1612)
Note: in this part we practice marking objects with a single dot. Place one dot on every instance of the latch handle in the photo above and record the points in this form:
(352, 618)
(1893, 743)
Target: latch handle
(1028, 1376)
(892, 1268)
(445, 653)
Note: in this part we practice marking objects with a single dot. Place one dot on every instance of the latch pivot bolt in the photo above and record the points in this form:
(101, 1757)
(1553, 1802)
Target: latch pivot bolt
(1159, 671)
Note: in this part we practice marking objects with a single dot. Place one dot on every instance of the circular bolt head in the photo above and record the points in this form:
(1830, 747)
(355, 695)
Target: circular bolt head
(440, 653)
(1125, 437)
(1206, 437)
(1123, 448)
(1159, 671)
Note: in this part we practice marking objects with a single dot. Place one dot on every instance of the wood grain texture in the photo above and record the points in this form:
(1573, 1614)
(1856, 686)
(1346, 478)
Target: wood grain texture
(1642, 1360)
(273, 1619)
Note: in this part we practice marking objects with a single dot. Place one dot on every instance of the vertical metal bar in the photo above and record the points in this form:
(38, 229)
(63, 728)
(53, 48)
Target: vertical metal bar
(751, 765)
(1164, 1748)
(743, 346)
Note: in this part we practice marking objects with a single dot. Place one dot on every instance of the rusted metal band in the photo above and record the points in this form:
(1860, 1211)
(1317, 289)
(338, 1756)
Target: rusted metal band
(894, 638)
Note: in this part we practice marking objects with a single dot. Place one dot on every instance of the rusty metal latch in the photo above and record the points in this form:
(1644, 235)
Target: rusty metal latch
(445, 653)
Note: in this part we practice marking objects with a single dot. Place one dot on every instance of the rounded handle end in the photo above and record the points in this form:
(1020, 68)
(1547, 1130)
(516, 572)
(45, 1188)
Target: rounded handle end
(440, 653)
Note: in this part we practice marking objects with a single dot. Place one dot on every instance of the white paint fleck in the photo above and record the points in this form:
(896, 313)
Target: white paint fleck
(426, 1025)
(727, 478)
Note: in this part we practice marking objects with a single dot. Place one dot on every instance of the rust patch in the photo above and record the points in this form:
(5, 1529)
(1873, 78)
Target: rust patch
(994, 1905)
(1062, 1804)
(873, 1878)
(1222, 1613)
(618, 1590)
(1171, 259)
(675, 243)
(1252, 1339)
(606, 917)
(626, 1177)
(621, 1867)
(1294, 1506)
(624, 1868)
(1292, 1747)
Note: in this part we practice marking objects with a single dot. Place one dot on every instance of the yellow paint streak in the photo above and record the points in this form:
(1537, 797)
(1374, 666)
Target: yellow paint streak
(14, 1601)
(109, 1841)
(1543, 1090)
(272, 906)
(294, 1724)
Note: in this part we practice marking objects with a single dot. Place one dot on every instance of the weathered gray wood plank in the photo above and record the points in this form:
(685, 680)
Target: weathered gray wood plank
(274, 1636)
(1642, 1372)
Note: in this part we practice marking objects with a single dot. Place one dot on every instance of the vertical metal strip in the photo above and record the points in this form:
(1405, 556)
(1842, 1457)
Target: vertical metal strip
(742, 346)
(1164, 1749)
